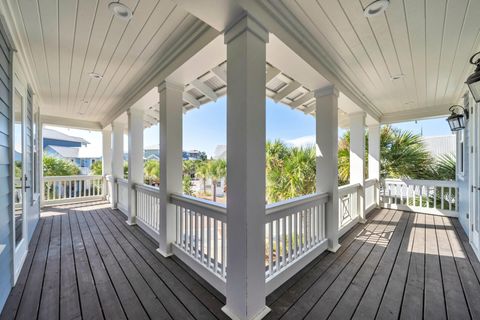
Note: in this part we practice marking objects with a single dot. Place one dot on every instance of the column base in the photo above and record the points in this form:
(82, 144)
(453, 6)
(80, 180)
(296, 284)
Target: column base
(262, 313)
(362, 220)
(334, 248)
(164, 254)
(131, 223)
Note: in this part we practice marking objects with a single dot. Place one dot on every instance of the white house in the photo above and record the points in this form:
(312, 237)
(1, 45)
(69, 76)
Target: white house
(110, 247)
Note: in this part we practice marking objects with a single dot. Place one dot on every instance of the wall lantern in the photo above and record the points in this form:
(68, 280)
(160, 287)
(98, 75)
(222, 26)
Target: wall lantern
(456, 120)
(473, 81)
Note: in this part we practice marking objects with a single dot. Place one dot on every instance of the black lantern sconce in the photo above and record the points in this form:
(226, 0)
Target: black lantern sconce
(456, 120)
(473, 81)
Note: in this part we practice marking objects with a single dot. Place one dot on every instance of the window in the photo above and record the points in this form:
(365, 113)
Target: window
(461, 153)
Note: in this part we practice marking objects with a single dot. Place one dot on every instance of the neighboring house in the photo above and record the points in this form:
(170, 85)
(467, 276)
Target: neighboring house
(220, 152)
(60, 145)
(152, 152)
(440, 145)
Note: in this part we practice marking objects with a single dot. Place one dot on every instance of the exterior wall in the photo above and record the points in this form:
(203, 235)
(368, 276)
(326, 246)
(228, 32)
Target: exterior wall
(5, 169)
(463, 178)
(32, 214)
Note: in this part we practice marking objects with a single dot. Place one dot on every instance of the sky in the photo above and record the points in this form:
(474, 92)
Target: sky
(205, 128)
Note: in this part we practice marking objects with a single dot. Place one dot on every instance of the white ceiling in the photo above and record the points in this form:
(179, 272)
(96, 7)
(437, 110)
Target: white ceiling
(428, 41)
(65, 40)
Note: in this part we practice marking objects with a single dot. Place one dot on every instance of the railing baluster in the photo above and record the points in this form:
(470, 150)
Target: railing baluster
(215, 245)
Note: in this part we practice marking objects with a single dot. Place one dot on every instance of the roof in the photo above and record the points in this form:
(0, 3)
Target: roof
(57, 135)
(220, 152)
(66, 152)
(439, 145)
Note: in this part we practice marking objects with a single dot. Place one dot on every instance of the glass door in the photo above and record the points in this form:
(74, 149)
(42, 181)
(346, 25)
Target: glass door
(20, 179)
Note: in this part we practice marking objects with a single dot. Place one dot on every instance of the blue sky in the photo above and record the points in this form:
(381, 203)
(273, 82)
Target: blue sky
(205, 128)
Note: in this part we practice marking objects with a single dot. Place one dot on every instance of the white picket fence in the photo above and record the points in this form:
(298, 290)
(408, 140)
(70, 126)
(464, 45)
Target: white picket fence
(70, 189)
(425, 196)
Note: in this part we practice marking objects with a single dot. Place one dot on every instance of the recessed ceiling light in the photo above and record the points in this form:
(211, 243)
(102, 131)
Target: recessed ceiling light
(120, 10)
(95, 75)
(375, 8)
(397, 76)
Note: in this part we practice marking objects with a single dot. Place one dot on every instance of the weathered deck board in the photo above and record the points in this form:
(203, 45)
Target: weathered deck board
(85, 262)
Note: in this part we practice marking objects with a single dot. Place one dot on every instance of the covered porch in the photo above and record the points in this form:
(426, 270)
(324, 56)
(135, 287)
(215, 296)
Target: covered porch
(85, 261)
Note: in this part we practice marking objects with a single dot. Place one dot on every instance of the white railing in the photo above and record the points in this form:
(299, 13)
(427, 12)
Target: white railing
(348, 203)
(148, 208)
(68, 189)
(201, 237)
(109, 187)
(426, 196)
(371, 194)
(122, 194)
(294, 236)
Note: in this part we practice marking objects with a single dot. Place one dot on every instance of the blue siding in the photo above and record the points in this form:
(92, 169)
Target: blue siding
(5, 169)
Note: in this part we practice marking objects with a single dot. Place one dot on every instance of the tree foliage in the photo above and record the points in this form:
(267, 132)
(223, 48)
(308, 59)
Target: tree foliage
(151, 171)
(59, 167)
(96, 168)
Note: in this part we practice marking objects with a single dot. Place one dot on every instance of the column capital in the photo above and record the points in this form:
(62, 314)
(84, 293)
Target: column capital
(164, 85)
(326, 91)
(357, 115)
(118, 124)
(245, 24)
(135, 111)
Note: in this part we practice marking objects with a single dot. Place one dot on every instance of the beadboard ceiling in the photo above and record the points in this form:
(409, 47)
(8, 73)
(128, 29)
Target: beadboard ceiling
(65, 40)
(429, 42)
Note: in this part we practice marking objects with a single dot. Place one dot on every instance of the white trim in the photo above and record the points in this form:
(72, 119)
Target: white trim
(415, 114)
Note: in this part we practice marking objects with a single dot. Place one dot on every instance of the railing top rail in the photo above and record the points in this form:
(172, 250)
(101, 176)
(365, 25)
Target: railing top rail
(200, 205)
(121, 181)
(349, 188)
(153, 191)
(370, 182)
(430, 183)
(295, 202)
(76, 177)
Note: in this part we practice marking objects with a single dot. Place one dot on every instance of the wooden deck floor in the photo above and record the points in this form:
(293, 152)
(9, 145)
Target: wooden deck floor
(86, 263)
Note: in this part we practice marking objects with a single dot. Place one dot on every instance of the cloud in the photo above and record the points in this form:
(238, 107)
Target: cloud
(305, 141)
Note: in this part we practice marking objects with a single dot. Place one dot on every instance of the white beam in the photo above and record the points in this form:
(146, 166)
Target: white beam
(70, 123)
(291, 87)
(246, 55)
(135, 160)
(220, 73)
(203, 88)
(171, 103)
(357, 157)
(187, 97)
(302, 100)
(415, 114)
(326, 121)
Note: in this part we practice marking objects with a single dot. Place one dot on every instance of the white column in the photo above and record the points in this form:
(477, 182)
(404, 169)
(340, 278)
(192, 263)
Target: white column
(246, 58)
(40, 163)
(357, 158)
(107, 162)
(374, 157)
(106, 152)
(135, 160)
(171, 117)
(118, 130)
(326, 115)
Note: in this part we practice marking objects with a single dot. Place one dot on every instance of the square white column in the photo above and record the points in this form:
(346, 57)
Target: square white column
(135, 160)
(118, 130)
(326, 117)
(374, 157)
(246, 62)
(357, 158)
(106, 152)
(171, 117)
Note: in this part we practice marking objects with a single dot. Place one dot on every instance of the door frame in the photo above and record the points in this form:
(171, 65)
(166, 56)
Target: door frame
(19, 251)
(474, 175)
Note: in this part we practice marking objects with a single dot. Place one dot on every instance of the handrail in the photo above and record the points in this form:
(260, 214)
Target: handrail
(429, 183)
(150, 190)
(209, 208)
(349, 188)
(121, 181)
(280, 209)
(370, 182)
(75, 177)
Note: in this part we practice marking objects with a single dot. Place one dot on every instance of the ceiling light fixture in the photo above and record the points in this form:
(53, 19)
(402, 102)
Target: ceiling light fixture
(375, 8)
(95, 75)
(473, 81)
(456, 120)
(397, 76)
(120, 10)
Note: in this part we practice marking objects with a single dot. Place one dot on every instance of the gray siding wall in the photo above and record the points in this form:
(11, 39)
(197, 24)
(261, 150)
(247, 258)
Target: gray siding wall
(5, 169)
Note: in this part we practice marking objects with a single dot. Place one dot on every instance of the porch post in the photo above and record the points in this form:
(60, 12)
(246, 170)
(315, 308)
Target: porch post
(40, 162)
(118, 129)
(374, 157)
(357, 158)
(171, 117)
(107, 161)
(135, 160)
(246, 61)
(326, 116)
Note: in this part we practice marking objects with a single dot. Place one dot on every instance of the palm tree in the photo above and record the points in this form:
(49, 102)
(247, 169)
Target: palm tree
(202, 173)
(151, 170)
(217, 169)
